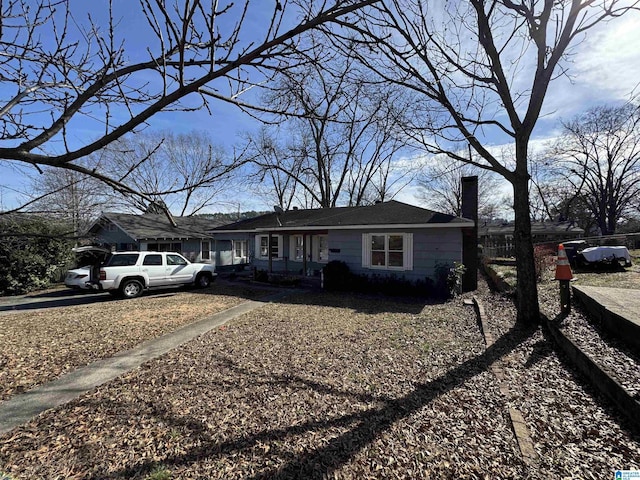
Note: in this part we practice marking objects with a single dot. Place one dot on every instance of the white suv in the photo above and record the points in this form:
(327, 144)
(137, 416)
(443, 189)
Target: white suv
(130, 273)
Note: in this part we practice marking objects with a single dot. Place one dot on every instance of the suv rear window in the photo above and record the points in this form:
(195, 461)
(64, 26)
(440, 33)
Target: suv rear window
(124, 260)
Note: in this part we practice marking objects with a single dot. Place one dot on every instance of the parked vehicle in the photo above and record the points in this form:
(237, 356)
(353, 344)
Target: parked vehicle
(79, 278)
(605, 256)
(572, 248)
(84, 277)
(129, 274)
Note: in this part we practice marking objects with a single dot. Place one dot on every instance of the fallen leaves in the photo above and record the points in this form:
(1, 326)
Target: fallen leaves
(331, 386)
(45, 344)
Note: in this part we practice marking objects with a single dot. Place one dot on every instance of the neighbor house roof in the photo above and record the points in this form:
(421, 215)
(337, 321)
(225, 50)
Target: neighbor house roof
(537, 228)
(384, 214)
(157, 226)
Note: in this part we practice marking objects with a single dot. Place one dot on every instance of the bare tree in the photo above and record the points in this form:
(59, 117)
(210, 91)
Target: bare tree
(67, 195)
(478, 68)
(441, 188)
(275, 177)
(61, 74)
(186, 172)
(341, 132)
(598, 155)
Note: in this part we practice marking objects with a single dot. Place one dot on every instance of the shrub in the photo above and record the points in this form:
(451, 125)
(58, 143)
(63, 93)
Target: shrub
(32, 249)
(260, 275)
(337, 276)
(392, 285)
(454, 279)
(544, 259)
(448, 282)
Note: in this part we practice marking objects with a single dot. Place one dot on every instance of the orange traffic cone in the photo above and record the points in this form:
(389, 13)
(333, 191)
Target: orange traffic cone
(563, 269)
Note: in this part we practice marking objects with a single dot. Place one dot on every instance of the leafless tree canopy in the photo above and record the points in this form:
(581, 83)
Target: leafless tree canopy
(185, 172)
(63, 71)
(441, 189)
(478, 67)
(67, 195)
(339, 141)
(598, 156)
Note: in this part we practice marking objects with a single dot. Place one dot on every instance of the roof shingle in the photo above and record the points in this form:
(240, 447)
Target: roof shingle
(155, 226)
(385, 213)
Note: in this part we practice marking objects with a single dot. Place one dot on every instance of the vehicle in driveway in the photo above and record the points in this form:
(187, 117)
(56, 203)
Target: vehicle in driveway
(79, 278)
(129, 274)
(83, 277)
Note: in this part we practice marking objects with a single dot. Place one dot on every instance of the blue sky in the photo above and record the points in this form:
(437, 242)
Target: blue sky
(604, 69)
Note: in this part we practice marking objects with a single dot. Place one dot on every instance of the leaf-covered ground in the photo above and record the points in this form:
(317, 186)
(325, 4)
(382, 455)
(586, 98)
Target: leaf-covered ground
(576, 433)
(40, 345)
(333, 386)
(610, 352)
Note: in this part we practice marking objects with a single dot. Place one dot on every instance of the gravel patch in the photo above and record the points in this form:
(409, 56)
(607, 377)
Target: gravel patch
(40, 345)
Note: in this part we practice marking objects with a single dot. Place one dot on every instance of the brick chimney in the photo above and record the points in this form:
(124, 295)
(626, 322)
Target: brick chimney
(470, 235)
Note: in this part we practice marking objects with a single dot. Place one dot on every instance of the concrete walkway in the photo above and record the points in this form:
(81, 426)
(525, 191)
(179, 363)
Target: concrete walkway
(617, 310)
(621, 301)
(23, 407)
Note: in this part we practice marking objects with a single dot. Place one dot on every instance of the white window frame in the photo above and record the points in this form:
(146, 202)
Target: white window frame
(205, 250)
(243, 250)
(320, 255)
(296, 248)
(407, 251)
(259, 251)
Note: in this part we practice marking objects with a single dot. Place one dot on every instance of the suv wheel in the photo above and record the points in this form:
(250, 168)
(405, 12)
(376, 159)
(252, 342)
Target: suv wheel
(131, 288)
(203, 280)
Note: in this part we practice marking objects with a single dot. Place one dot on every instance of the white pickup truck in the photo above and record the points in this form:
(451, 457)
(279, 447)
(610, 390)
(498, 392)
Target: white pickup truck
(130, 273)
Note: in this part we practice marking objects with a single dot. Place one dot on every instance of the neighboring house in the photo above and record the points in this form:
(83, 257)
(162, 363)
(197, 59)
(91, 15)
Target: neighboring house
(385, 238)
(122, 231)
(497, 240)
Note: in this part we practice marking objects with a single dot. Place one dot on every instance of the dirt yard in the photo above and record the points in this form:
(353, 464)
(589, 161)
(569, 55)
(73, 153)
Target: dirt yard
(334, 386)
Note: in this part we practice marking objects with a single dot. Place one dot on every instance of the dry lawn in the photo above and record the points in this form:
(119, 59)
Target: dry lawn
(40, 345)
(628, 278)
(332, 386)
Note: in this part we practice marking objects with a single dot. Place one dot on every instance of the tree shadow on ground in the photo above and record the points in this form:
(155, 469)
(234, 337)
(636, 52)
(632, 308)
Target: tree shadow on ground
(363, 427)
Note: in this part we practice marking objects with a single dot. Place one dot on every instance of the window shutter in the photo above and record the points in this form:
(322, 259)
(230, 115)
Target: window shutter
(366, 250)
(408, 251)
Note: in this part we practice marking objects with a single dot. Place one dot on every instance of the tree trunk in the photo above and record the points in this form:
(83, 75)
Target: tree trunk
(527, 289)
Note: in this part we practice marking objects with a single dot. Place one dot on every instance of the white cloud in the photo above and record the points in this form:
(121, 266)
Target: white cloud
(610, 59)
(604, 68)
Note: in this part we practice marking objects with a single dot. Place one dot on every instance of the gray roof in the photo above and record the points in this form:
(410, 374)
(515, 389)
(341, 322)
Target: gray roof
(392, 213)
(537, 228)
(157, 226)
